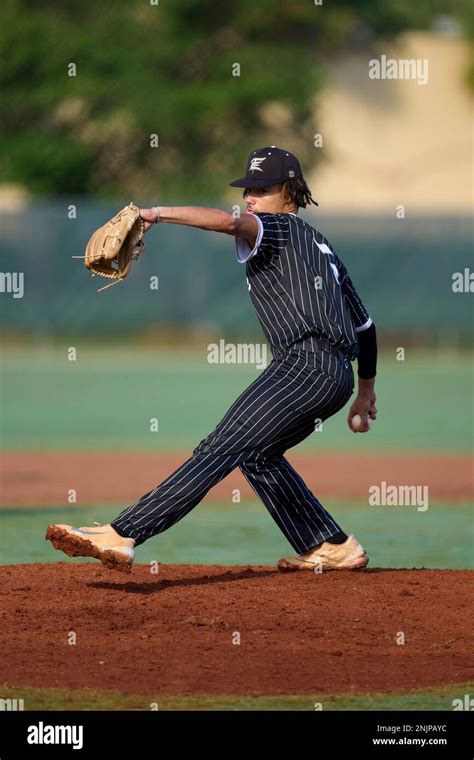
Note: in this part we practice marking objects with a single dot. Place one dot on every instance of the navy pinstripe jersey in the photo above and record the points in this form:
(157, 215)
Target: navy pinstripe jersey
(299, 286)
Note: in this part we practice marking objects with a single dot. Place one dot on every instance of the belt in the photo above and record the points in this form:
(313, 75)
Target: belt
(322, 343)
(308, 343)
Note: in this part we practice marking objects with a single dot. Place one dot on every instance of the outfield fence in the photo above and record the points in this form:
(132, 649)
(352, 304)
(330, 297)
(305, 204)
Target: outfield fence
(403, 269)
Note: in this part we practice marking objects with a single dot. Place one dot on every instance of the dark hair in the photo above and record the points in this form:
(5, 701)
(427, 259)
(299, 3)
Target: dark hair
(296, 190)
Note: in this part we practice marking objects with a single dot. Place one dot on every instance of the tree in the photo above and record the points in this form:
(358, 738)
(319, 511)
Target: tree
(170, 98)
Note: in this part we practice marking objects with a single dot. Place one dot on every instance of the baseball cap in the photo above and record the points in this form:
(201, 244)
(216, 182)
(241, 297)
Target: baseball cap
(269, 166)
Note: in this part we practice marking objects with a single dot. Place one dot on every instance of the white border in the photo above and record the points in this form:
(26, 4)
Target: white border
(364, 326)
(243, 248)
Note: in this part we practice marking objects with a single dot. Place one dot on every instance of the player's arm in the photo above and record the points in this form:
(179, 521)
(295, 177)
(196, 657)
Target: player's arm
(204, 218)
(364, 403)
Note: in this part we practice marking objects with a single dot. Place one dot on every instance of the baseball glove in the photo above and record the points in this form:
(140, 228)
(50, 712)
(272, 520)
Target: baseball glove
(113, 247)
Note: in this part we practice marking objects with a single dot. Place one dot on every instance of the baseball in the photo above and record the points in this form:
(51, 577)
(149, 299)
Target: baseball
(356, 422)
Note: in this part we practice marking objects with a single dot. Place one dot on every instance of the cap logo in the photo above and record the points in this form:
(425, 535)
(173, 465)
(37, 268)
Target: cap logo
(255, 164)
(291, 173)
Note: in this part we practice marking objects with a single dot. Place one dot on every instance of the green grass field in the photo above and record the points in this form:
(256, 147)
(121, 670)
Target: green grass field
(440, 698)
(106, 398)
(238, 534)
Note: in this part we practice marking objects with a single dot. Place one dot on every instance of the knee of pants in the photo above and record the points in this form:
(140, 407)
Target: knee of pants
(202, 448)
(215, 443)
(248, 468)
(208, 447)
(258, 463)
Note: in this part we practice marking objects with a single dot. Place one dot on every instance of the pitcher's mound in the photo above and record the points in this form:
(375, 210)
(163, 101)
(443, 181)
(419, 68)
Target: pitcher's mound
(196, 629)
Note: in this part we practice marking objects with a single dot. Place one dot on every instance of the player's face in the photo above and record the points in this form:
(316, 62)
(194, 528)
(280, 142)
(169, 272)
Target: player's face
(266, 199)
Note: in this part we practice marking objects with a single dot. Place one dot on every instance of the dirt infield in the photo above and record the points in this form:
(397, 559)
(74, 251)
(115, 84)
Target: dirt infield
(175, 632)
(44, 479)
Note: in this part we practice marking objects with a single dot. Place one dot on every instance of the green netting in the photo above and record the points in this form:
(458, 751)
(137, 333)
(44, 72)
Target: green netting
(403, 270)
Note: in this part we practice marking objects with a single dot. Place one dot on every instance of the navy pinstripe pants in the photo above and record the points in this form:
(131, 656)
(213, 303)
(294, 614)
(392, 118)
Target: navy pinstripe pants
(277, 411)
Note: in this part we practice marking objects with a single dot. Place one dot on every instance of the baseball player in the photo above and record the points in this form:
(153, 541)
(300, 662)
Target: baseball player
(316, 325)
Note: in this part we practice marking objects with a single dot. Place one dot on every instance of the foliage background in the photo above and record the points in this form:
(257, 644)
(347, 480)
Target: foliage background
(166, 69)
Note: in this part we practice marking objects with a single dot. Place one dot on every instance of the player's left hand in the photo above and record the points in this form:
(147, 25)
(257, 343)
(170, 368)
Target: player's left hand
(364, 405)
(149, 216)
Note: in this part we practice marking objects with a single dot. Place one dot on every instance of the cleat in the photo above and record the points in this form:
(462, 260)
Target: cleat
(347, 556)
(101, 541)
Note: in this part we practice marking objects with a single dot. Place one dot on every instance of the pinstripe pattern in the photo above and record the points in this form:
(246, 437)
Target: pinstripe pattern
(277, 411)
(313, 336)
(300, 288)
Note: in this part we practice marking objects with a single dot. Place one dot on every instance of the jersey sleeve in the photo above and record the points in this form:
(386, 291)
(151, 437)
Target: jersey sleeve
(360, 315)
(273, 231)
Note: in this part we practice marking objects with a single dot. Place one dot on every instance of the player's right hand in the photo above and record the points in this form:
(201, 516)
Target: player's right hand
(364, 406)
